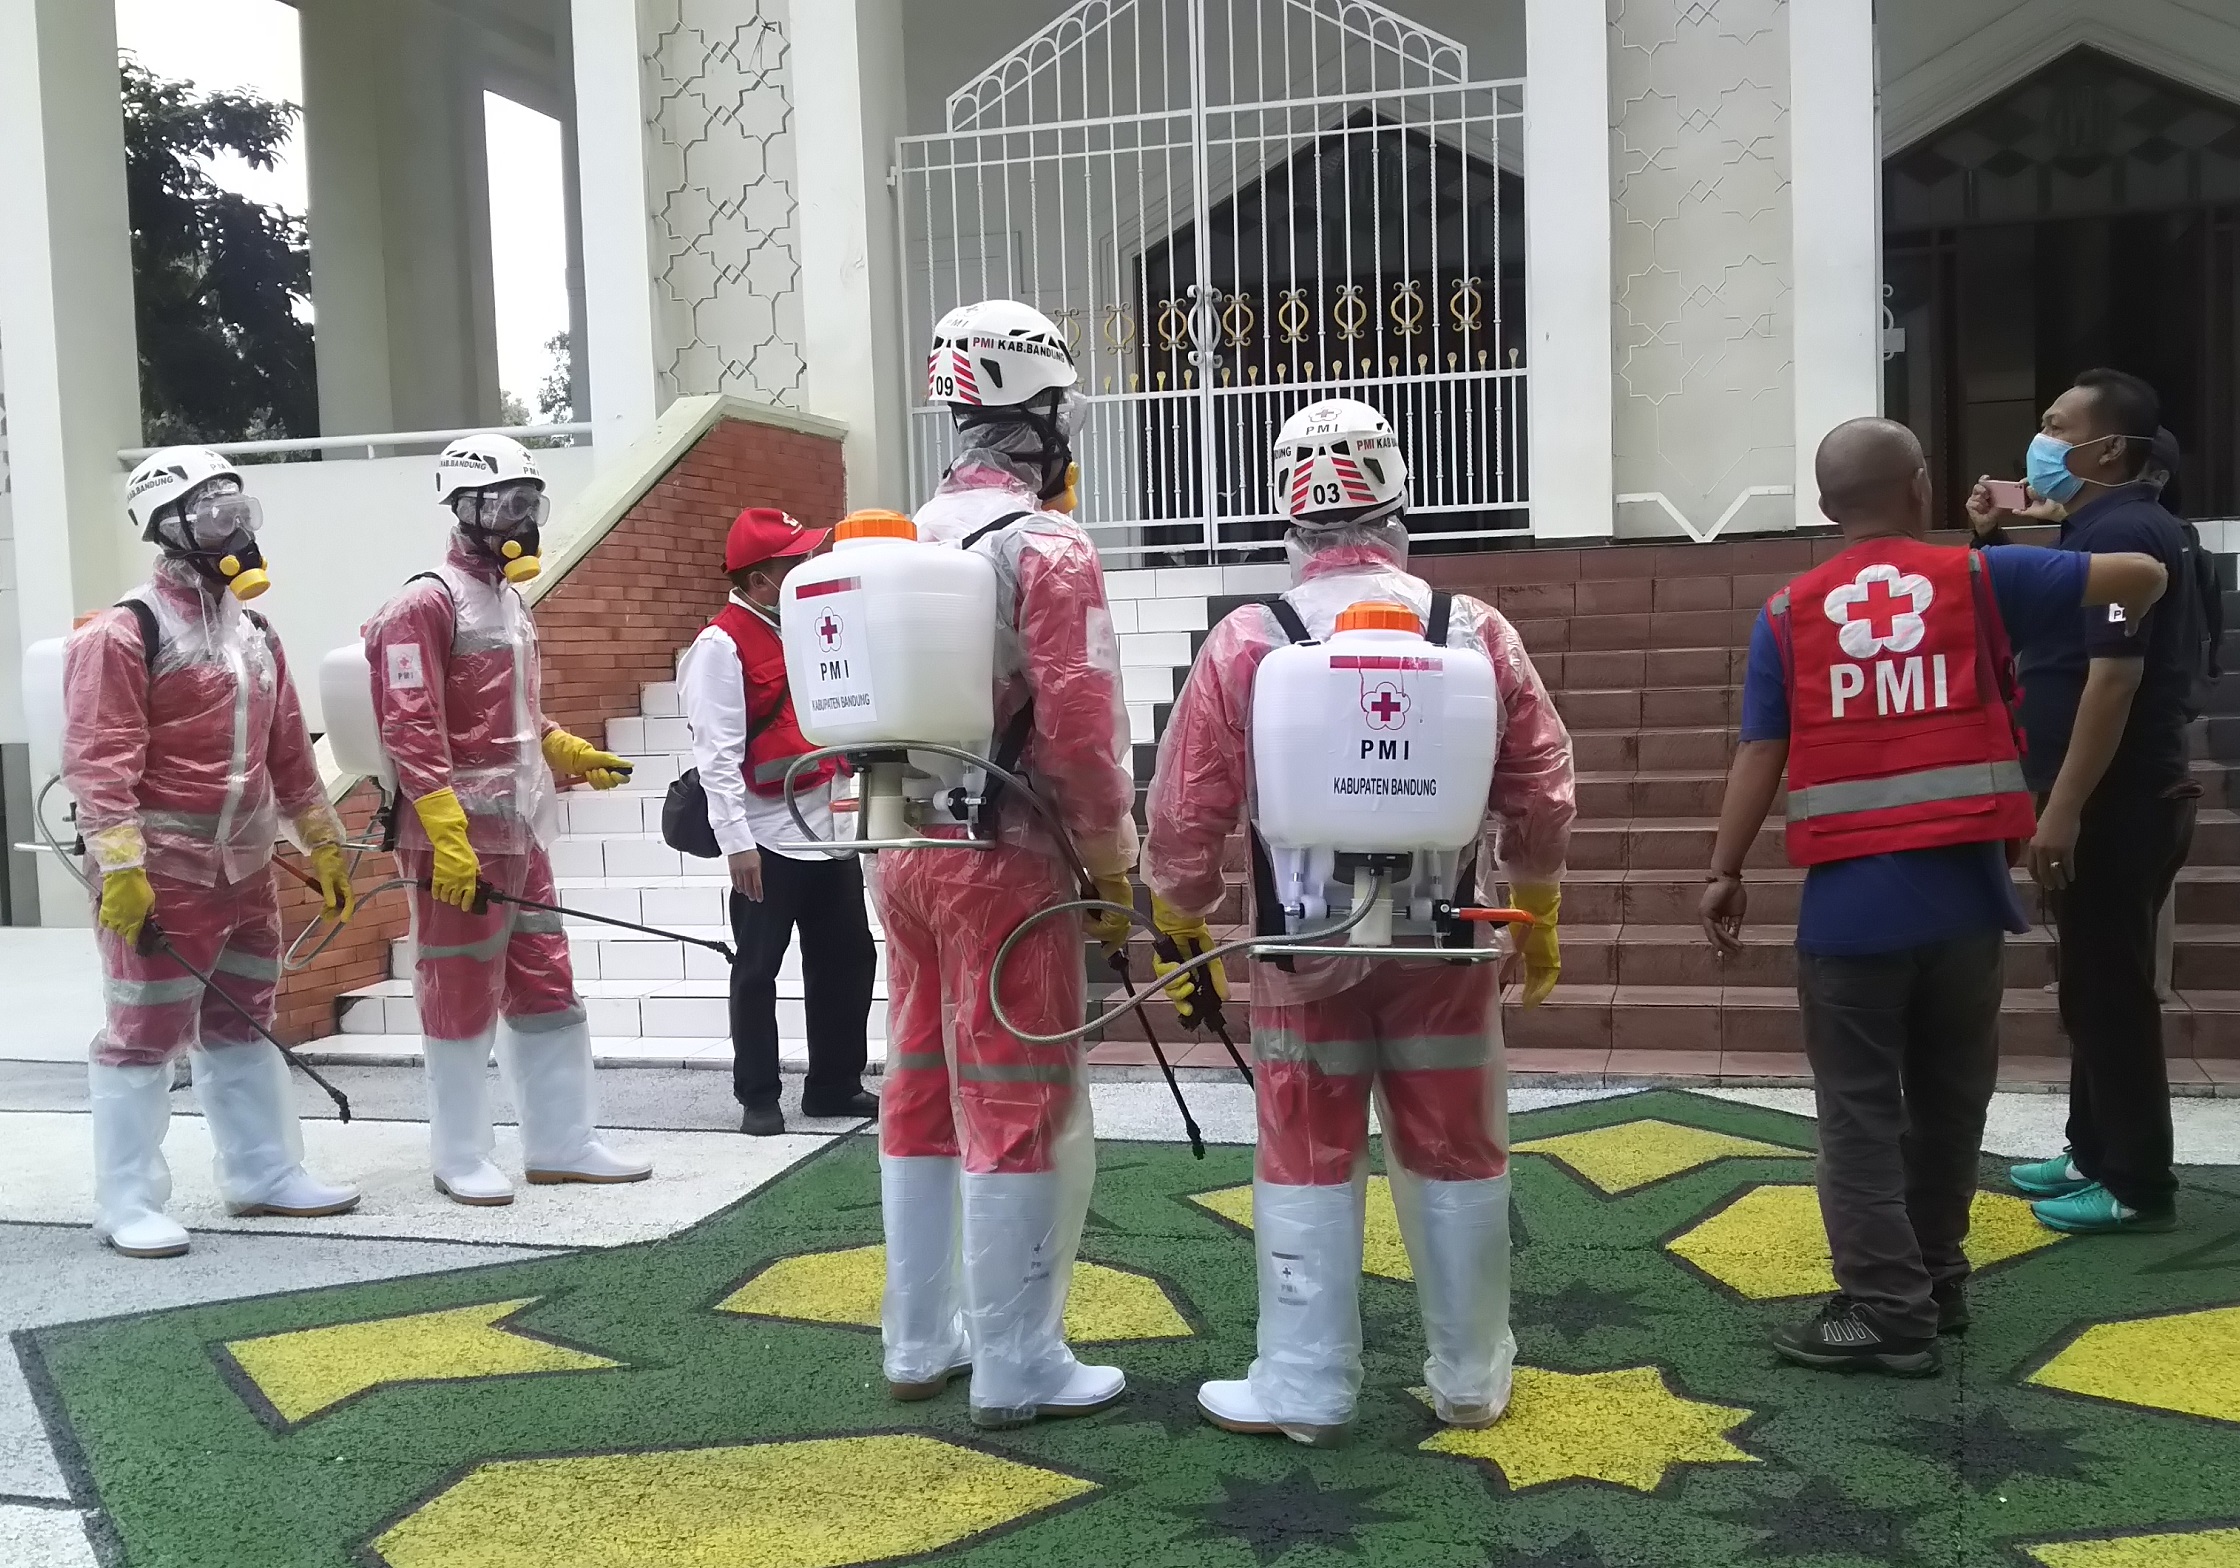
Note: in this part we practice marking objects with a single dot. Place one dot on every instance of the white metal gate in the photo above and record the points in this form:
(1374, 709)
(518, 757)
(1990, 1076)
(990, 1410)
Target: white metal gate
(1233, 208)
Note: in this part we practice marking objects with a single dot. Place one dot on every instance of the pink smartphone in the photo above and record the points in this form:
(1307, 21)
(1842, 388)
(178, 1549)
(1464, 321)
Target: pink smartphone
(2008, 495)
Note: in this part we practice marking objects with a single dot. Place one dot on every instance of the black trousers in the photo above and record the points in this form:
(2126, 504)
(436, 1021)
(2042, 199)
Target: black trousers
(823, 899)
(2129, 848)
(1904, 1049)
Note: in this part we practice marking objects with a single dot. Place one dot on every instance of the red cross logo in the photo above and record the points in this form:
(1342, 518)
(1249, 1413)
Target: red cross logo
(828, 630)
(1881, 609)
(1386, 706)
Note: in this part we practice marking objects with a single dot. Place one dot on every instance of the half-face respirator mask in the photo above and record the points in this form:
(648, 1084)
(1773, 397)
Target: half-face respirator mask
(506, 523)
(215, 530)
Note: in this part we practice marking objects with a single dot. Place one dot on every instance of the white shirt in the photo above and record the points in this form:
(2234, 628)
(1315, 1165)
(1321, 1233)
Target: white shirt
(714, 686)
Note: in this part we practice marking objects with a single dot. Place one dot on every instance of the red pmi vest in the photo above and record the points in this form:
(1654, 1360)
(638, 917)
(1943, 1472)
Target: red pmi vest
(774, 740)
(1902, 732)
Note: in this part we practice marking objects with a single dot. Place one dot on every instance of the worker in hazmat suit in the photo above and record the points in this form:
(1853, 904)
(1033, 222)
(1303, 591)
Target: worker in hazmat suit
(983, 1136)
(1424, 1036)
(453, 662)
(186, 752)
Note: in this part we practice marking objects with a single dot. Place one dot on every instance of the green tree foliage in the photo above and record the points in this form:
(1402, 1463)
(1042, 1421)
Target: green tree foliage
(218, 279)
(556, 395)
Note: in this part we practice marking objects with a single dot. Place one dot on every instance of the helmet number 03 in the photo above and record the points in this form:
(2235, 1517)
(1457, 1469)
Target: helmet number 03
(1327, 495)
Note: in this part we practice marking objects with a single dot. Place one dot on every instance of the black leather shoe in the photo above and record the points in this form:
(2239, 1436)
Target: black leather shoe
(1951, 1298)
(856, 1107)
(762, 1121)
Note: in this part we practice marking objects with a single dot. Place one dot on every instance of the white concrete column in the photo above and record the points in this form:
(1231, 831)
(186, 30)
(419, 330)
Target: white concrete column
(343, 93)
(846, 60)
(67, 348)
(1835, 204)
(1567, 267)
(611, 192)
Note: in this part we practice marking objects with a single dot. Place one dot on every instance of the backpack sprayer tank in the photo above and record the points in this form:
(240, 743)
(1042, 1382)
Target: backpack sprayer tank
(42, 706)
(1373, 754)
(890, 641)
(353, 733)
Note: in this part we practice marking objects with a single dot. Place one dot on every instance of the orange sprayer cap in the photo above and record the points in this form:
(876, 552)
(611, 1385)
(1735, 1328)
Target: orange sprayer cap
(875, 525)
(1378, 615)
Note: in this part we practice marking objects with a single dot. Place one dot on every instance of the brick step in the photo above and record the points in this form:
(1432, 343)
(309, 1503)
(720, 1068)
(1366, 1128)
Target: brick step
(1657, 630)
(1632, 668)
(1685, 843)
(1657, 708)
(1682, 1023)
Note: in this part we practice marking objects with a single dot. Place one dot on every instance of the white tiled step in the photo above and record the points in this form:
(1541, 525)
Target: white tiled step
(708, 1052)
(676, 1009)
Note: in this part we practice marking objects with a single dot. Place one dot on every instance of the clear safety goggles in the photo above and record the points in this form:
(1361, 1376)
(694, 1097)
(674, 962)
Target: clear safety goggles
(512, 509)
(217, 518)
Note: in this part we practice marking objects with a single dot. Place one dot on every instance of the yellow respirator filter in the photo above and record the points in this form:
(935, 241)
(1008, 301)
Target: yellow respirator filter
(244, 582)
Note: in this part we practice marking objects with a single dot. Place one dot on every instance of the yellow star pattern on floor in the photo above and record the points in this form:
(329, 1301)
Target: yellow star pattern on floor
(1633, 1154)
(1383, 1253)
(817, 1504)
(314, 1369)
(1769, 1245)
(1105, 1303)
(1625, 1427)
(2189, 1362)
(2192, 1549)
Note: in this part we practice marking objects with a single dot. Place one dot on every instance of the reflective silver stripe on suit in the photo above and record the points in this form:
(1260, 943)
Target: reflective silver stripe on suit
(481, 952)
(250, 966)
(1962, 782)
(202, 824)
(151, 993)
(1338, 1058)
(1435, 1052)
(917, 1061)
(549, 1023)
(1779, 603)
(1015, 1072)
(773, 772)
(1355, 1058)
(536, 922)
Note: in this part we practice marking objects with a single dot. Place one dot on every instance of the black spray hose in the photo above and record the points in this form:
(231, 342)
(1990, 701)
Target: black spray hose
(152, 940)
(1189, 1123)
(485, 895)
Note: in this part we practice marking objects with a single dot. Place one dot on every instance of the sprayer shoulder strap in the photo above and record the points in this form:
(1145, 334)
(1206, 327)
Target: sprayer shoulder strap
(996, 527)
(1287, 620)
(1442, 618)
(151, 632)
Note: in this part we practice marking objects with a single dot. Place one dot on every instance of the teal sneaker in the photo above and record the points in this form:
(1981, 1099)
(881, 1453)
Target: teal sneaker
(2095, 1211)
(2054, 1178)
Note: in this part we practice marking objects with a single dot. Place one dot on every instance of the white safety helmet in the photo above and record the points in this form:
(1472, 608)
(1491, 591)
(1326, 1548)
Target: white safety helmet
(481, 462)
(168, 476)
(996, 354)
(1338, 462)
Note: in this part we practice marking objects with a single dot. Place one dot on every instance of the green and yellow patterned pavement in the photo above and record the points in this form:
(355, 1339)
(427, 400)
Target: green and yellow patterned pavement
(713, 1399)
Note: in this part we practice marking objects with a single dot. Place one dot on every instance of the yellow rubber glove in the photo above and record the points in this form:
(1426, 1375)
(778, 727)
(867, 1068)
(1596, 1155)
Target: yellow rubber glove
(1191, 936)
(457, 871)
(572, 754)
(1108, 926)
(335, 891)
(126, 902)
(1542, 962)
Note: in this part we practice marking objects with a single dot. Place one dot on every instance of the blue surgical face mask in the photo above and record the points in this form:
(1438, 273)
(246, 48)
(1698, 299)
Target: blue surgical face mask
(2046, 466)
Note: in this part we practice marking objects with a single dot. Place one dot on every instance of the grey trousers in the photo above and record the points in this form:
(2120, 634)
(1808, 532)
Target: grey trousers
(1904, 1049)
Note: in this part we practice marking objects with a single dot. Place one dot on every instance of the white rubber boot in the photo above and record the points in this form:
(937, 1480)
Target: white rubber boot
(1462, 1288)
(244, 1093)
(131, 1182)
(1018, 1266)
(550, 1070)
(1307, 1377)
(459, 1134)
(921, 1317)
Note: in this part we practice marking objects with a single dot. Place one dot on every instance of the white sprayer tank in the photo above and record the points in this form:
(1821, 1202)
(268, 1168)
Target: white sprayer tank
(42, 707)
(1375, 741)
(353, 733)
(889, 640)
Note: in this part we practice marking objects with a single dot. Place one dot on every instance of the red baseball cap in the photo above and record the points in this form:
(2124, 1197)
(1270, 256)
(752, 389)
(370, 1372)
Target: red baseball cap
(763, 533)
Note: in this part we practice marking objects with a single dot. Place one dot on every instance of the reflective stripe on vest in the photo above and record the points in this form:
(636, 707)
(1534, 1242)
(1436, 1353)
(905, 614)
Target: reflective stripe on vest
(1969, 781)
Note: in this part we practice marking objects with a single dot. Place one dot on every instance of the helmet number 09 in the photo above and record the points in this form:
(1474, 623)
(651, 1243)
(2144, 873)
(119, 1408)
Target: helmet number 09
(944, 386)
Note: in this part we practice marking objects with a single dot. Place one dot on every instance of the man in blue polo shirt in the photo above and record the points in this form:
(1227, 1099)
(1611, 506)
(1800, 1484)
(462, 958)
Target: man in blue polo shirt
(2106, 704)
(1899, 950)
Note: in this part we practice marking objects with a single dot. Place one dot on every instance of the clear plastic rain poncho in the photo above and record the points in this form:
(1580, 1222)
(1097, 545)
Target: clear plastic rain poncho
(984, 1137)
(1423, 1038)
(456, 683)
(194, 767)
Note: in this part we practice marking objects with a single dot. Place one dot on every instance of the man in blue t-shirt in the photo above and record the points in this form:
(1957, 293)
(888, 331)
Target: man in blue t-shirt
(1899, 956)
(2105, 704)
